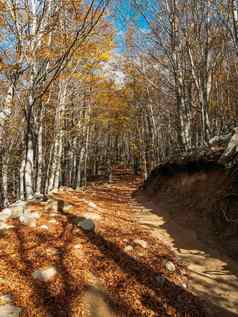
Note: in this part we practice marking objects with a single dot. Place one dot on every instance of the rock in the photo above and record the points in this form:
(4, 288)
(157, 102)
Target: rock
(142, 243)
(18, 208)
(52, 205)
(7, 308)
(5, 226)
(5, 214)
(17, 212)
(86, 224)
(160, 281)
(53, 221)
(27, 217)
(10, 310)
(170, 267)
(128, 248)
(91, 215)
(45, 227)
(67, 207)
(5, 299)
(92, 205)
(77, 246)
(45, 274)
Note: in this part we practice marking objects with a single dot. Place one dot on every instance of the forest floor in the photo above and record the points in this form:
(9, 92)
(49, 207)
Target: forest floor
(124, 268)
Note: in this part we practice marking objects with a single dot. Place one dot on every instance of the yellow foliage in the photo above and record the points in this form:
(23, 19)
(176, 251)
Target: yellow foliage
(2, 21)
(2, 5)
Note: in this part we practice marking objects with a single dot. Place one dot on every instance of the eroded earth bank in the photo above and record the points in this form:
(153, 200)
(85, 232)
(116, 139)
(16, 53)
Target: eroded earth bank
(192, 205)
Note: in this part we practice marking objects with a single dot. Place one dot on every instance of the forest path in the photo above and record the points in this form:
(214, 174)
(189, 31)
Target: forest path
(120, 269)
(213, 275)
(116, 270)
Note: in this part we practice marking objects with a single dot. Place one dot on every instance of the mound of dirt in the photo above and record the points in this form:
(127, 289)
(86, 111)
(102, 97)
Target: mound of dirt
(200, 194)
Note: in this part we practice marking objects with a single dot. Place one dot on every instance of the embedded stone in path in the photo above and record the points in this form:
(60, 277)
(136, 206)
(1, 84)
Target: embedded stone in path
(7, 307)
(67, 207)
(45, 274)
(5, 214)
(27, 217)
(170, 267)
(92, 205)
(86, 224)
(141, 243)
(52, 221)
(4, 226)
(91, 215)
(52, 205)
(128, 248)
(45, 227)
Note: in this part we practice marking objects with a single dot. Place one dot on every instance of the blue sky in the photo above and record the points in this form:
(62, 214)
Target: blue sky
(125, 14)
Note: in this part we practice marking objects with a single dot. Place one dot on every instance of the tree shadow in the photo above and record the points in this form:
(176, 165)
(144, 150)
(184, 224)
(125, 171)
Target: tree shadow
(191, 248)
(61, 304)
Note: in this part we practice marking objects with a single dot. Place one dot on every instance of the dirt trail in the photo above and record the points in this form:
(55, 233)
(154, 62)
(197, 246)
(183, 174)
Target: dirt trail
(107, 273)
(214, 276)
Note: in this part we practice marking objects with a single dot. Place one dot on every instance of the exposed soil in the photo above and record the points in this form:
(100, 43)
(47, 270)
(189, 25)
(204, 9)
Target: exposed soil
(184, 208)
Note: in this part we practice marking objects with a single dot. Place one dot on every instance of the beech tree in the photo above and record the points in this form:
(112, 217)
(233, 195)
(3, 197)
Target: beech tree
(72, 107)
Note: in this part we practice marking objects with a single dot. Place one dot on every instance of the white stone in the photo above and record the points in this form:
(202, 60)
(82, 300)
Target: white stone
(128, 248)
(92, 205)
(52, 221)
(67, 207)
(17, 212)
(28, 217)
(45, 274)
(52, 205)
(45, 227)
(4, 226)
(10, 310)
(86, 225)
(18, 208)
(5, 299)
(170, 266)
(77, 246)
(5, 214)
(91, 215)
(142, 243)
